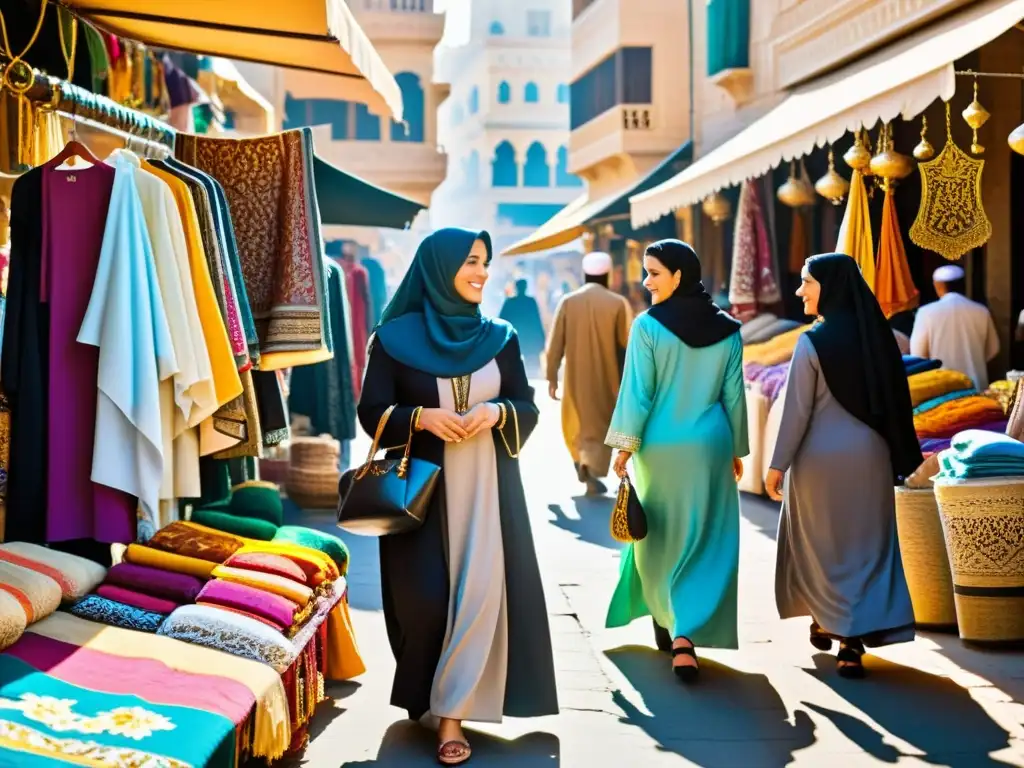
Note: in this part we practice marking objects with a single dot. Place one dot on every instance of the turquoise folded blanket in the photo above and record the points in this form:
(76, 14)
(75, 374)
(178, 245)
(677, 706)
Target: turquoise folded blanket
(976, 453)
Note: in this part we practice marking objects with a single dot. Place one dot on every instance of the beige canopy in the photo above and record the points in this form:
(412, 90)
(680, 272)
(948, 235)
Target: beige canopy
(315, 35)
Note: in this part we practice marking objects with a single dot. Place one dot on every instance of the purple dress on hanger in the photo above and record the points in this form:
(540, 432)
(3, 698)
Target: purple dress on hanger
(75, 204)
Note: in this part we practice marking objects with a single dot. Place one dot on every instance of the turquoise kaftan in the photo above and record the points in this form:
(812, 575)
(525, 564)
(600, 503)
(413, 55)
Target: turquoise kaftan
(682, 412)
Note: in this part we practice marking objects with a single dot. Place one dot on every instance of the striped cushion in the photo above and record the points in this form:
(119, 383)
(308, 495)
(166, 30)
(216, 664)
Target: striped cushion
(12, 620)
(76, 575)
(38, 594)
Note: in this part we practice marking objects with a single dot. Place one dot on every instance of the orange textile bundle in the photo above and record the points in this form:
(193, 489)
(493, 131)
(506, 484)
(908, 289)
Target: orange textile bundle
(777, 350)
(957, 415)
(894, 287)
(925, 386)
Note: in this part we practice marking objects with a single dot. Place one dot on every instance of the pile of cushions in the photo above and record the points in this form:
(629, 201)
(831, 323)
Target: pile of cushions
(34, 581)
(977, 454)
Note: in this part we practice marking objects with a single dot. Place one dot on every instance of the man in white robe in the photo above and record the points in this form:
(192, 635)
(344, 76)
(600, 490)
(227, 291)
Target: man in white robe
(956, 330)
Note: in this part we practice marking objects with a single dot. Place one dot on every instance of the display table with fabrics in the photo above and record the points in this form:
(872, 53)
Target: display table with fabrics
(201, 632)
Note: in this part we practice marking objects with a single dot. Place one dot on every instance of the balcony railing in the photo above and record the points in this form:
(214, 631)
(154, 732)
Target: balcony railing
(406, 6)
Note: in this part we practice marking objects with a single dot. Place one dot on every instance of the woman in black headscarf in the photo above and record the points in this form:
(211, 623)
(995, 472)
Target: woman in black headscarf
(681, 416)
(846, 438)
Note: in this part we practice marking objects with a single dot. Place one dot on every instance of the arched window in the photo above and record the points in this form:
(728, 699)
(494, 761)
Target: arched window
(504, 171)
(497, 28)
(562, 176)
(536, 172)
(563, 93)
(474, 100)
(472, 170)
(532, 94)
(504, 92)
(413, 108)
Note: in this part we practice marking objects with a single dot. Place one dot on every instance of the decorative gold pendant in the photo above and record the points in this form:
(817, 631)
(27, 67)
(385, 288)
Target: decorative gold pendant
(951, 219)
(832, 186)
(924, 149)
(975, 116)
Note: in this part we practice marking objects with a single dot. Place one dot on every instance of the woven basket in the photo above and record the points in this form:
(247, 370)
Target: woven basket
(983, 523)
(274, 470)
(313, 488)
(925, 563)
(314, 452)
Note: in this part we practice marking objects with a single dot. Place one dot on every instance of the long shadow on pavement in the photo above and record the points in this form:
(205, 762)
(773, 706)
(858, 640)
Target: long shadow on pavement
(592, 525)
(408, 745)
(932, 713)
(729, 718)
(1001, 667)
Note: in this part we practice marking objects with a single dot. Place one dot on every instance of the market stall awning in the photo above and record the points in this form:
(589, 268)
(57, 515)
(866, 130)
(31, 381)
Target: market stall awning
(573, 220)
(347, 200)
(314, 35)
(901, 79)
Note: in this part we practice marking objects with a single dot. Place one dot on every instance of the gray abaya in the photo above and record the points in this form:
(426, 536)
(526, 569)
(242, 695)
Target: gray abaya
(838, 555)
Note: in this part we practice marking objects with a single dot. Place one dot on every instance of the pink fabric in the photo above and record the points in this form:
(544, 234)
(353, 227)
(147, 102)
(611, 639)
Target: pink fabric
(274, 608)
(138, 599)
(267, 562)
(151, 680)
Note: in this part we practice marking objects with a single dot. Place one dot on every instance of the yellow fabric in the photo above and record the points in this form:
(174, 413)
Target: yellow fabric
(140, 554)
(343, 659)
(775, 351)
(957, 415)
(925, 386)
(273, 361)
(226, 380)
(272, 723)
(268, 582)
(855, 231)
(327, 568)
(894, 288)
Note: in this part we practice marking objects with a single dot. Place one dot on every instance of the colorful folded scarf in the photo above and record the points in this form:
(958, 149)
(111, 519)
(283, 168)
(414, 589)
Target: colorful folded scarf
(12, 620)
(927, 405)
(136, 599)
(182, 538)
(259, 500)
(230, 632)
(280, 611)
(330, 545)
(76, 575)
(276, 585)
(957, 415)
(777, 350)
(228, 522)
(925, 386)
(239, 612)
(178, 587)
(268, 562)
(141, 554)
(98, 608)
(37, 593)
(318, 567)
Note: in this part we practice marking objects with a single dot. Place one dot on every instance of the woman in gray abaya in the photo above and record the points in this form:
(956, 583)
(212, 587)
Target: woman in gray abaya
(846, 438)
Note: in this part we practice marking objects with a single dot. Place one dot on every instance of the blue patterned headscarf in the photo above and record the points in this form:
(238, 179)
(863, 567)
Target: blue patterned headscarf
(427, 325)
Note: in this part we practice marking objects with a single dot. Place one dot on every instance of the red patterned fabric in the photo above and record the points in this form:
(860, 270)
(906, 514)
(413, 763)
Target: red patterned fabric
(267, 562)
(752, 282)
(357, 284)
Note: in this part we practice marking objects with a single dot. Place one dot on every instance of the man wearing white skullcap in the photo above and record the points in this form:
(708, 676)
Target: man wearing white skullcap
(954, 329)
(589, 332)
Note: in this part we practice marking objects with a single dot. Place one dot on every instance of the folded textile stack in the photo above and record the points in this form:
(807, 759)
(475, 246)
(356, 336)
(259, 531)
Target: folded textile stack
(777, 350)
(769, 379)
(767, 331)
(949, 397)
(976, 454)
(253, 510)
(1002, 392)
(972, 412)
(313, 472)
(935, 383)
(914, 364)
(34, 581)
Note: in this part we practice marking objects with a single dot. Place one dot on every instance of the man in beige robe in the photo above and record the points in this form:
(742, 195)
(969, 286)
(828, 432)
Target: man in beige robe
(589, 331)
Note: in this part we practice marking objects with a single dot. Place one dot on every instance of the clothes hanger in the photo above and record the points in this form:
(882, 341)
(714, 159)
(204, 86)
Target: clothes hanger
(74, 148)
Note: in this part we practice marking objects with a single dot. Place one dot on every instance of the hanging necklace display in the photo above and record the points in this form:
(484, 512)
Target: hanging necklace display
(951, 220)
(17, 77)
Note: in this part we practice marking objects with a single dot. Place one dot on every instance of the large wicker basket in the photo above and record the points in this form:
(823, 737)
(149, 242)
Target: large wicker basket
(314, 452)
(925, 562)
(313, 488)
(983, 523)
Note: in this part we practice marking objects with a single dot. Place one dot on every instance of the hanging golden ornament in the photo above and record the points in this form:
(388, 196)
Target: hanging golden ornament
(1016, 139)
(857, 156)
(975, 116)
(889, 164)
(951, 219)
(795, 191)
(717, 207)
(832, 186)
(924, 149)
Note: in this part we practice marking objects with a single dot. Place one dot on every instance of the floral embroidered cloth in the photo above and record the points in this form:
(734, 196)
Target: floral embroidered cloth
(752, 283)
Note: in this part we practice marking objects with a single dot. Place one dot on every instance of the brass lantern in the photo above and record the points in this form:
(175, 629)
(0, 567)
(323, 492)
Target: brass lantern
(717, 207)
(832, 186)
(889, 164)
(795, 191)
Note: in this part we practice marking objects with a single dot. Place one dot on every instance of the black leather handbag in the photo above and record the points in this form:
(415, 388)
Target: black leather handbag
(386, 496)
(629, 521)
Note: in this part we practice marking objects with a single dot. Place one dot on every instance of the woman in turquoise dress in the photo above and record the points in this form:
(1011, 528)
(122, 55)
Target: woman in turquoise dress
(681, 415)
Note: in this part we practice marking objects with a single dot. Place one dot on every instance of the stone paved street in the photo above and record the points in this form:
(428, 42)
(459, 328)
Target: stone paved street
(772, 703)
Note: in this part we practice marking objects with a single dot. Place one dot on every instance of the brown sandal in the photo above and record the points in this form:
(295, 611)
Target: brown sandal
(454, 752)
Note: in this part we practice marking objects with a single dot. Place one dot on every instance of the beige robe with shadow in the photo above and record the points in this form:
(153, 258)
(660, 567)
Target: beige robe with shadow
(590, 330)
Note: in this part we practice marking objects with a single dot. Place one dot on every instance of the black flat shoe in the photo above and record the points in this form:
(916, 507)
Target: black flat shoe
(849, 661)
(820, 641)
(686, 673)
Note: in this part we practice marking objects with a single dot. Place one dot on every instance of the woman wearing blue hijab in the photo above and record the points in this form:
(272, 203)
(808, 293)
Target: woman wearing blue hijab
(462, 594)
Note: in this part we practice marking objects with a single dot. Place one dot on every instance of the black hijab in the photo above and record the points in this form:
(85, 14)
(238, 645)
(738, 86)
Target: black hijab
(860, 359)
(689, 312)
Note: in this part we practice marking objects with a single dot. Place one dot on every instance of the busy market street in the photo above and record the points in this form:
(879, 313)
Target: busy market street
(772, 703)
